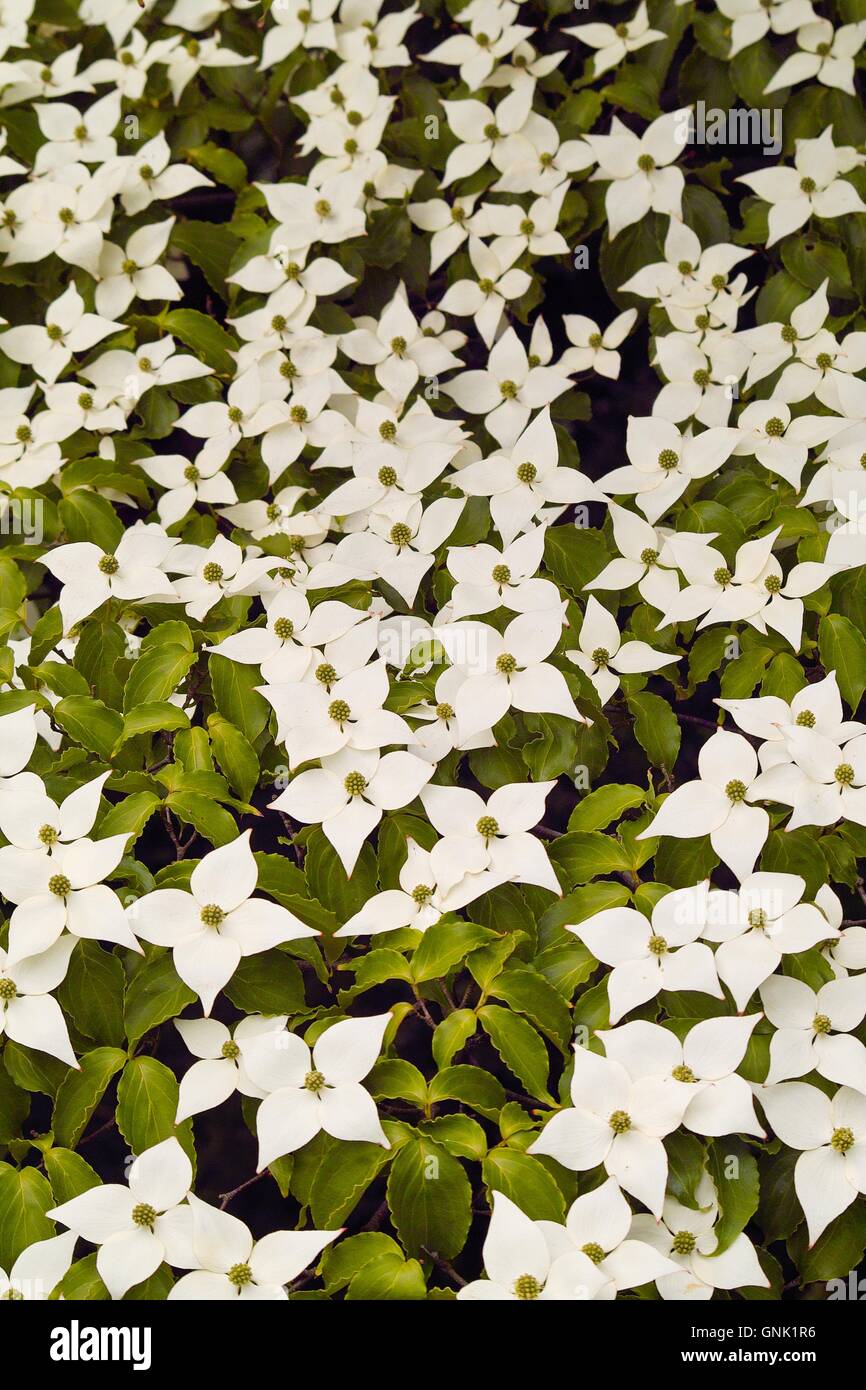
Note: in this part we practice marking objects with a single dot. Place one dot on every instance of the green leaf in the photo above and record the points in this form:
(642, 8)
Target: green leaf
(14, 1106)
(843, 650)
(154, 994)
(444, 945)
(734, 1170)
(69, 1174)
(204, 335)
(25, 1197)
(235, 755)
(81, 1091)
(598, 808)
(656, 729)
(584, 854)
(529, 993)
(236, 697)
(520, 1048)
(526, 1181)
(471, 1086)
(341, 1180)
(92, 993)
(147, 1104)
(388, 1276)
(267, 983)
(452, 1034)
(430, 1199)
(90, 723)
(155, 675)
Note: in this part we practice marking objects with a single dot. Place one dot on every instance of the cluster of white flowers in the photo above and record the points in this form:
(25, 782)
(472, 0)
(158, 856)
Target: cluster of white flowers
(323, 459)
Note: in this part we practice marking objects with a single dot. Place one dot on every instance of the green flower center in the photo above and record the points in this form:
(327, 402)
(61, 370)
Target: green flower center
(67, 216)
(509, 389)
(527, 1286)
(326, 674)
(212, 915)
(422, 894)
(718, 282)
(701, 378)
(621, 30)
(235, 414)
(143, 1214)
(844, 774)
(735, 791)
(593, 1251)
(821, 1023)
(668, 460)
(805, 719)
(398, 346)
(339, 711)
(842, 1140)
(722, 576)
(789, 333)
(314, 1081)
(278, 323)
(387, 475)
(486, 285)
(54, 332)
(24, 434)
(191, 473)
(595, 340)
(48, 836)
(527, 473)
(283, 629)
(212, 572)
(8, 989)
(649, 557)
(646, 163)
(299, 415)
(684, 1073)
(322, 208)
(500, 574)
(774, 427)
(388, 430)
(527, 227)
(684, 1243)
(601, 657)
(657, 945)
(487, 827)
(59, 885)
(758, 918)
(506, 664)
(772, 583)
(401, 534)
(824, 361)
(355, 783)
(444, 710)
(108, 564)
(230, 1050)
(239, 1275)
(620, 1122)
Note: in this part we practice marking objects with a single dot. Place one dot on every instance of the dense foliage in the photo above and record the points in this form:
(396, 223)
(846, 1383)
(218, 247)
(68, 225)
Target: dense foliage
(432, 482)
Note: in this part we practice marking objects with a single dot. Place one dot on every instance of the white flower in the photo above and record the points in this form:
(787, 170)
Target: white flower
(494, 835)
(521, 484)
(823, 782)
(639, 169)
(715, 804)
(17, 740)
(813, 1028)
(310, 1091)
(519, 1263)
(700, 380)
(137, 1227)
(187, 483)
(498, 282)
(90, 576)
(231, 1265)
(397, 348)
(613, 42)
(313, 722)
(507, 670)
(812, 187)
(67, 330)
(486, 135)
(757, 926)
(685, 1235)
(150, 176)
(702, 1069)
(420, 900)
(220, 1070)
(644, 559)
(831, 1169)
(218, 922)
(617, 1122)
(488, 579)
(663, 462)
(134, 273)
(604, 657)
(594, 350)
(348, 795)
(651, 956)
(825, 53)
(39, 1268)
(28, 1013)
(508, 390)
(752, 19)
(598, 1224)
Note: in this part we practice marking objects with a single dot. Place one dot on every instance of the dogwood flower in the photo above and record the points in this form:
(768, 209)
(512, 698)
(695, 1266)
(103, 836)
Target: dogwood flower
(715, 804)
(752, 19)
(218, 922)
(812, 188)
(615, 1121)
(598, 1224)
(90, 576)
(29, 1015)
(831, 1133)
(614, 42)
(603, 656)
(825, 53)
(664, 461)
(310, 1091)
(519, 1263)
(488, 579)
(594, 350)
(67, 330)
(495, 835)
(498, 282)
(638, 169)
(220, 1070)
(420, 901)
(685, 1235)
(39, 1268)
(757, 926)
(507, 390)
(138, 1227)
(649, 956)
(231, 1265)
(349, 793)
(813, 1028)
